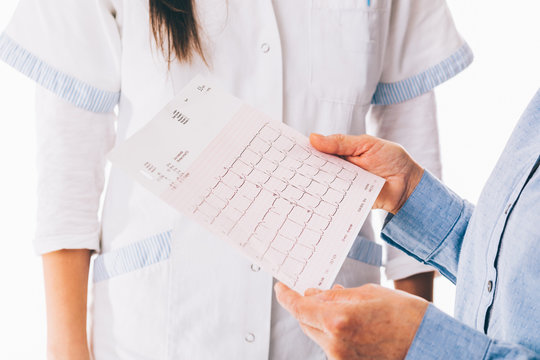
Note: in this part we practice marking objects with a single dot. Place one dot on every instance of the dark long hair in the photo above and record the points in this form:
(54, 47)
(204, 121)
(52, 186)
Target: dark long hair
(175, 29)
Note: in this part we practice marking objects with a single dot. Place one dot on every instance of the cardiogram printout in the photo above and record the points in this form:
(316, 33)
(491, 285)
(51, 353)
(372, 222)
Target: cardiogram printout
(253, 181)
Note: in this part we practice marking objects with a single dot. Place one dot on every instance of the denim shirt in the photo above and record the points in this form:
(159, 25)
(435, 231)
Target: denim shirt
(491, 253)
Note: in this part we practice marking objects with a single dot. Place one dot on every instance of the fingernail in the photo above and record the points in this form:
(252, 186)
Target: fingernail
(318, 136)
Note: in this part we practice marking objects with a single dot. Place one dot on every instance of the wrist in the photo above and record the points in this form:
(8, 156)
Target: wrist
(68, 351)
(413, 180)
(418, 284)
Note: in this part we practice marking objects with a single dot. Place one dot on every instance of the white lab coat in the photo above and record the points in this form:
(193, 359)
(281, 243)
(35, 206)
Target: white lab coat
(164, 288)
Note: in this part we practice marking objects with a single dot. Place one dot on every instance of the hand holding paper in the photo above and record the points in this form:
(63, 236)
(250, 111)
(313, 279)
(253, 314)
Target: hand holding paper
(383, 158)
(255, 182)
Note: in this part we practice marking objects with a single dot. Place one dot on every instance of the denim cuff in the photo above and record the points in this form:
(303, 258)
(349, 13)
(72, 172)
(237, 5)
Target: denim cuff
(443, 337)
(425, 221)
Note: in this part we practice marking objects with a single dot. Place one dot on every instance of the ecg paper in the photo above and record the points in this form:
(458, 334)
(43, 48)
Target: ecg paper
(254, 182)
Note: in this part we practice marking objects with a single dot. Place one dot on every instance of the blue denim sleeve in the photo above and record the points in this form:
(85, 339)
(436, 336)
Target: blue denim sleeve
(443, 337)
(431, 225)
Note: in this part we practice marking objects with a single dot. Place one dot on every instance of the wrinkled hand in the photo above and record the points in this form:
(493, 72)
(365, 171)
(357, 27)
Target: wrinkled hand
(383, 158)
(369, 322)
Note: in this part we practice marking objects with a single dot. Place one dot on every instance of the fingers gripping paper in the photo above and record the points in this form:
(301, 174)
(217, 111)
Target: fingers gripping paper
(254, 182)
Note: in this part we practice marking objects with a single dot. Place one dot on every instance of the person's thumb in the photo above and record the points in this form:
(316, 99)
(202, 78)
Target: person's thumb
(341, 294)
(323, 143)
(339, 144)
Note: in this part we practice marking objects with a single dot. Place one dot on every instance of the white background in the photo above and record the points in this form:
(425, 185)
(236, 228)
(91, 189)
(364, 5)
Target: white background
(477, 111)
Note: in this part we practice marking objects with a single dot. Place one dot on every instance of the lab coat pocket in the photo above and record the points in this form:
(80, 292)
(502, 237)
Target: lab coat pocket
(345, 50)
(130, 300)
(138, 255)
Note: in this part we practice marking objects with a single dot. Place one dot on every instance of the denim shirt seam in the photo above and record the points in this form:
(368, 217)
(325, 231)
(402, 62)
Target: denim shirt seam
(486, 351)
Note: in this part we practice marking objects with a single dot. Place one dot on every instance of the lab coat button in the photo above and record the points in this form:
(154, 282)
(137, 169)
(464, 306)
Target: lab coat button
(255, 268)
(250, 337)
(265, 48)
(489, 286)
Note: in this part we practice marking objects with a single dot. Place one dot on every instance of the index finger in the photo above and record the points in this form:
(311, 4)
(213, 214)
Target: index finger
(305, 309)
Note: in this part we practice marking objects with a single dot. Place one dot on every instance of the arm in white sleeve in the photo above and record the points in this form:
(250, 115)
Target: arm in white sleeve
(413, 124)
(71, 148)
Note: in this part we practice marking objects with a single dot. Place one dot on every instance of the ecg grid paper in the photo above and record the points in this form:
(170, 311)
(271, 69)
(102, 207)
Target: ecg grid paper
(299, 190)
(259, 185)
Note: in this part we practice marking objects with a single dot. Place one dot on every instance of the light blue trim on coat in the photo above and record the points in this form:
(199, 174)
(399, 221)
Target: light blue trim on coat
(366, 251)
(393, 93)
(65, 86)
(133, 257)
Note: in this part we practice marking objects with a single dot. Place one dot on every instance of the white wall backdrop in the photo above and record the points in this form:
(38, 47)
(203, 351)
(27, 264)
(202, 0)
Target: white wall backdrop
(477, 110)
(22, 309)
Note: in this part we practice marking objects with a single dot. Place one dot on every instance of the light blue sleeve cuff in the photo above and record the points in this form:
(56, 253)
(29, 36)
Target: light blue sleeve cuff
(366, 251)
(135, 256)
(397, 92)
(430, 226)
(63, 85)
(443, 337)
